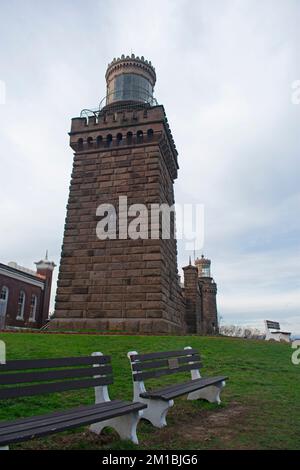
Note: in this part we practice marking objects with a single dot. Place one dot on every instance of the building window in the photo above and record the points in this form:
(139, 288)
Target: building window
(21, 306)
(130, 86)
(139, 136)
(3, 305)
(109, 140)
(4, 294)
(129, 137)
(33, 305)
(150, 134)
(206, 272)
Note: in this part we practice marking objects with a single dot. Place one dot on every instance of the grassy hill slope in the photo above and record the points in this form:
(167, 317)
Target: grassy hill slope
(260, 404)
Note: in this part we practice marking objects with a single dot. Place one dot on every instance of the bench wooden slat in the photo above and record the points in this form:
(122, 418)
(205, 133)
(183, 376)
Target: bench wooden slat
(203, 382)
(53, 362)
(163, 354)
(51, 418)
(273, 324)
(173, 391)
(47, 429)
(140, 366)
(14, 392)
(24, 421)
(281, 332)
(160, 372)
(40, 376)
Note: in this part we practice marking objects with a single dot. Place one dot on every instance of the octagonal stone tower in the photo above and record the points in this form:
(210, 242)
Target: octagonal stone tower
(124, 149)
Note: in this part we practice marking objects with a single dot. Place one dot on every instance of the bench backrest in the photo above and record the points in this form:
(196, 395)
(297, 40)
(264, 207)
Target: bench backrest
(274, 325)
(157, 364)
(19, 378)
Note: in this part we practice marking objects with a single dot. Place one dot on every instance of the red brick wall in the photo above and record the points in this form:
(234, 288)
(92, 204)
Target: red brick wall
(15, 286)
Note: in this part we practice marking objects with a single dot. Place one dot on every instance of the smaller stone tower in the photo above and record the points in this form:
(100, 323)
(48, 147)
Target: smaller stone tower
(45, 268)
(192, 299)
(208, 289)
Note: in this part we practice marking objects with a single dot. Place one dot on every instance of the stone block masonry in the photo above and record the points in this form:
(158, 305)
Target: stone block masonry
(123, 283)
(119, 285)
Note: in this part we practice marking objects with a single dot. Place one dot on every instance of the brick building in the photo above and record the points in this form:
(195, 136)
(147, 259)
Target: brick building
(25, 294)
(126, 148)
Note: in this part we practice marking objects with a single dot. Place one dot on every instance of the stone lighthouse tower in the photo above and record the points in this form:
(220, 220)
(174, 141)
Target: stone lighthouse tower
(208, 289)
(123, 149)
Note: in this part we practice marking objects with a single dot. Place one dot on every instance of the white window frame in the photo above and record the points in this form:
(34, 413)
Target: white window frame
(6, 293)
(3, 305)
(32, 314)
(21, 317)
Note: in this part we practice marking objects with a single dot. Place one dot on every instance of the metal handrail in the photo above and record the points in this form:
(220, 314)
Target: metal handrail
(121, 104)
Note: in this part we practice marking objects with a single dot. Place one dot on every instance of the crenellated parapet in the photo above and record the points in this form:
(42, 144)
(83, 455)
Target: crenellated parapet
(133, 126)
(130, 63)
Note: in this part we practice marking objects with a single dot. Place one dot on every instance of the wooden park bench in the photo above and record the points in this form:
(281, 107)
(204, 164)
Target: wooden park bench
(44, 376)
(276, 335)
(158, 364)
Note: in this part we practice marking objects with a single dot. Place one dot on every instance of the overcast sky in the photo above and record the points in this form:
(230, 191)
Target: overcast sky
(224, 74)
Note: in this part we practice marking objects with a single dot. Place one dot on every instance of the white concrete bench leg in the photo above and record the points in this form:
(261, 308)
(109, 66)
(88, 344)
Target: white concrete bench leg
(285, 337)
(2, 361)
(124, 425)
(211, 393)
(156, 411)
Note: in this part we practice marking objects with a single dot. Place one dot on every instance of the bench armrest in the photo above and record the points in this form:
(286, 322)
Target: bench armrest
(138, 385)
(101, 391)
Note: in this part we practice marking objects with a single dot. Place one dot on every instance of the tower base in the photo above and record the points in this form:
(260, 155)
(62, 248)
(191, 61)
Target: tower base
(116, 325)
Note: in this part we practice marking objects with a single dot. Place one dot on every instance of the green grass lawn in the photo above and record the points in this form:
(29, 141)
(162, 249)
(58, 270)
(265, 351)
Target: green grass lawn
(260, 404)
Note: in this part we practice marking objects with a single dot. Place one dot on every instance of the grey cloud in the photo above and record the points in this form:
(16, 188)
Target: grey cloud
(224, 70)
